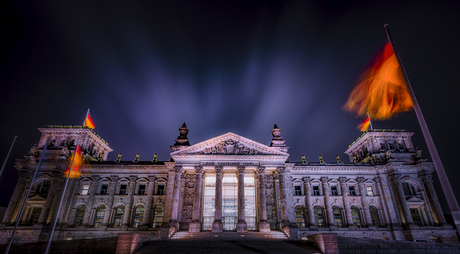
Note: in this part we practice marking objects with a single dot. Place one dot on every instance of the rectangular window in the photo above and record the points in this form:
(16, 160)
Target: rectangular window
(104, 189)
(315, 190)
(161, 190)
(122, 189)
(391, 146)
(334, 191)
(141, 190)
(352, 190)
(85, 189)
(297, 191)
(369, 190)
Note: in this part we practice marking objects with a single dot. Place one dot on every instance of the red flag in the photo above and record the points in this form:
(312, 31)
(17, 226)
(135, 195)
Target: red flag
(77, 164)
(89, 121)
(381, 89)
(364, 126)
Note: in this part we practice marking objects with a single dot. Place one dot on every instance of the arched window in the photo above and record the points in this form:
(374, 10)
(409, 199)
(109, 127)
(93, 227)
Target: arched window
(99, 216)
(80, 213)
(355, 216)
(299, 217)
(138, 217)
(337, 212)
(319, 218)
(409, 189)
(374, 216)
(158, 217)
(118, 218)
(43, 187)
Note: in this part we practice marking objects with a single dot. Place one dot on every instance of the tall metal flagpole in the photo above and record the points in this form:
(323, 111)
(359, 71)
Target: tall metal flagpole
(8, 155)
(451, 200)
(370, 122)
(27, 196)
(62, 198)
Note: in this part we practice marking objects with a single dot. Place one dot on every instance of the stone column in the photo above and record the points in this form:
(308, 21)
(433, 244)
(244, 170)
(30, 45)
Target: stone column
(327, 201)
(175, 202)
(49, 200)
(308, 200)
(283, 197)
(129, 206)
(195, 225)
(217, 224)
(428, 181)
(241, 226)
(148, 203)
(19, 191)
(89, 207)
(346, 202)
(264, 226)
(363, 191)
(396, 180)
(108, 208)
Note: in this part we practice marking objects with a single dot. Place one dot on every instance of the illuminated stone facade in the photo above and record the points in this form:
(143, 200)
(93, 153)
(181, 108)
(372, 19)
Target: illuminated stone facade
(229, 183)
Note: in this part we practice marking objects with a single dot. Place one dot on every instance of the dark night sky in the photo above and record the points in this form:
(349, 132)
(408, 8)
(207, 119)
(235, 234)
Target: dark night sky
(143, 68)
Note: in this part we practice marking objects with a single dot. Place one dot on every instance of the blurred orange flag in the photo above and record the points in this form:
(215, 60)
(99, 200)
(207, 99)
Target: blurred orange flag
(364, 126)
(77, 164)
(89, 121)
(381, 89)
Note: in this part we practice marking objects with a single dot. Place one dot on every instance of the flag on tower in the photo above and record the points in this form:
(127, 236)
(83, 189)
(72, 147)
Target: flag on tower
(364, 126)
(381, 89)
(89, 121)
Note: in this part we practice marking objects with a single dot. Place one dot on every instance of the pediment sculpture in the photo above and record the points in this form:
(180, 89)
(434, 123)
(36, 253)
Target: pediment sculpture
(230, 146)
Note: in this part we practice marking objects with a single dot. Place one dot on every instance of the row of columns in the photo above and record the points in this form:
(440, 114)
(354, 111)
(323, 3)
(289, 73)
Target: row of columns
(217, 226)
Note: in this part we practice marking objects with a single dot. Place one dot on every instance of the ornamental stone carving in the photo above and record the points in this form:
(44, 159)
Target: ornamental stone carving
(240, 170)
(189, 197)
(219, 169)
(178, 169)
(230, 147)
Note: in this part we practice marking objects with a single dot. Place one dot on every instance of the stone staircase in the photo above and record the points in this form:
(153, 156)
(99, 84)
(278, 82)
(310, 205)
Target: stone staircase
(229, 236)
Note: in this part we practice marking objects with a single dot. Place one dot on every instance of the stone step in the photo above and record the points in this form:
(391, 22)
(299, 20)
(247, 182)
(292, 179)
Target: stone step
(229, 236)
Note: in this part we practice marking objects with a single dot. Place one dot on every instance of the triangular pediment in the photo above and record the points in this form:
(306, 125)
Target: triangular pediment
(36, 198)
(229, 144)
(415, 200)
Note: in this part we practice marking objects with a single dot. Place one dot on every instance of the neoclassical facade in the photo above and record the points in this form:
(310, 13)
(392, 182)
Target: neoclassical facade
(228, 183)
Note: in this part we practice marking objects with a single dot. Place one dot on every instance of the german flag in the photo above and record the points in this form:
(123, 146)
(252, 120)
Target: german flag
(75, 164)
(364, 126)
(89, 121)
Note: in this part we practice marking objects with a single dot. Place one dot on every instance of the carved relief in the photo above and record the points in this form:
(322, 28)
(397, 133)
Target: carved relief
(230, 147)
(270, 199)
(189, 197)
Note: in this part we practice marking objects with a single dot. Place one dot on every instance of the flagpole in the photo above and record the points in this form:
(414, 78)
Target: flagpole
(446, 187)
(27, 196)
(62, 198)
(8, 155)
(86, 117)
(370, 122)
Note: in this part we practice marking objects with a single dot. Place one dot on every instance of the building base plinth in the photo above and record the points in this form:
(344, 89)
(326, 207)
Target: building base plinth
(194, 227)
(217, 226)
(264, 227)
(241, 226)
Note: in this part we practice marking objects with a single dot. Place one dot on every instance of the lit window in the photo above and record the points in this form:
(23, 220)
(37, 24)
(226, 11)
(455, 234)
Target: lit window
(138, 216)
(80, 213)
(374, 216)
(158, 217)
(369, 190)
(118, 218)
(299, 217)
(99, 216)
(297, 191)
(355, 216)
(319, 219)
(85, 189)
(337, 213)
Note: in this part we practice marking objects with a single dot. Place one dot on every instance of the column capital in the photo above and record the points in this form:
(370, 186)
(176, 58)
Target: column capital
(219, 169)
(95, 178)
(342, 179)
(151, 178)
(178, 169)
(240, 169)
(281, 170)
(426, 178)
(360, 179)
(324, 179)
(132, 178)
(276, 175)
(113, 179)
(306, 179)
(261, 169)
(395, 178)
(377, 179)
(199, 169)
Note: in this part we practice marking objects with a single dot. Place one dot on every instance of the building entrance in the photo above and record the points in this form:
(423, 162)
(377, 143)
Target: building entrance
(229, 201)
